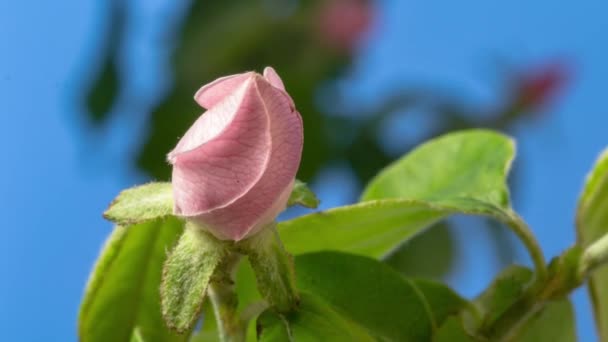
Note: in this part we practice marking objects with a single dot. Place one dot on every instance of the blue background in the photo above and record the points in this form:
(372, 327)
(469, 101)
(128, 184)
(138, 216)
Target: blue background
(57, 175)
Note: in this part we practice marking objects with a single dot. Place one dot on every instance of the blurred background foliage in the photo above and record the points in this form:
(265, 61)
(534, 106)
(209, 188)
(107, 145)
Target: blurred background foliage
(312, 44)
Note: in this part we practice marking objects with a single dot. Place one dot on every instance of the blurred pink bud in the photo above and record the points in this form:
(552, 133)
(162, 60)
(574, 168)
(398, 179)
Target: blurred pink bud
(535, 88)
(343, 23)
(233, 170)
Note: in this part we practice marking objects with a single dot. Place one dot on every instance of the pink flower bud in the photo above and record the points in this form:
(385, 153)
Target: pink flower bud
(233, 170)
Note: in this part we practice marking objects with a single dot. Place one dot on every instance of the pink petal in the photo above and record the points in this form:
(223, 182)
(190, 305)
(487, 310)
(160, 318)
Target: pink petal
(271, 76)
(223, 155)
(262, 203)
(212, 93)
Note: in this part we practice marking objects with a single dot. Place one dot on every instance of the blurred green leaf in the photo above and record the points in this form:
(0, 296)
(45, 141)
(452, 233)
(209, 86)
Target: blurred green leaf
(452, 330)
(186, 275)
(104, 92)
(555, 323)
(123, 291)
(136, 337)
(141, 203)
(302, 195)
(462, 172)
(371, 295)
(592, 224)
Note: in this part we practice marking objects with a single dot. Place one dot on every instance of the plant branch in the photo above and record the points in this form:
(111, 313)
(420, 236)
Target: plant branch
(594, 256)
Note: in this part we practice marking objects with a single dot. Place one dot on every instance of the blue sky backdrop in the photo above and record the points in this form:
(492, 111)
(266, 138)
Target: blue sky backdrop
(57, 176)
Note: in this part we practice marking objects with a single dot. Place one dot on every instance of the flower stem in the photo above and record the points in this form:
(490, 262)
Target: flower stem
(523, 232)
(225, 301)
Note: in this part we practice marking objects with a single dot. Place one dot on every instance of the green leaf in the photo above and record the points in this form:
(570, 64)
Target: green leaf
(555, 323)
(302, 195)
(458, 173)
(186, 275)
(141, 203)
(136, 337)
(452, 330)
(313, 321)
(431, 254)
(471, 164)
(441, 301)
(375, 228)
(592, 224)
(122, 293)
(504, 291)
(371, 295)
(104, 92)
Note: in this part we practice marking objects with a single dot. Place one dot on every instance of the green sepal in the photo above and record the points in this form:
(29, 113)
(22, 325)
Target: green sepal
(273, 268)
(187, 273)
(302, 195)
(141, 203)
(155, 200)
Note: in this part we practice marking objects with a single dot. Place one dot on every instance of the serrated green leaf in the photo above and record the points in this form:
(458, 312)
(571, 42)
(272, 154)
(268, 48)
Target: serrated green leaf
(141, 203)
(461, 172)
(186, 275)
(122, 294)
(302, 195)
(374, 296)
(592, 224)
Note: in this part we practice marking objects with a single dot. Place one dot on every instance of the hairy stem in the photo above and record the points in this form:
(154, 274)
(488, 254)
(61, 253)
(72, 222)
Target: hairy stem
(225, 301)
(274, 269)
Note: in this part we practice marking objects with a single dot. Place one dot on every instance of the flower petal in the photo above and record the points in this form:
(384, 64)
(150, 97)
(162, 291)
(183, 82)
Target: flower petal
(273, 78)
(232, 156)
(266, 198)
(212, 93)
